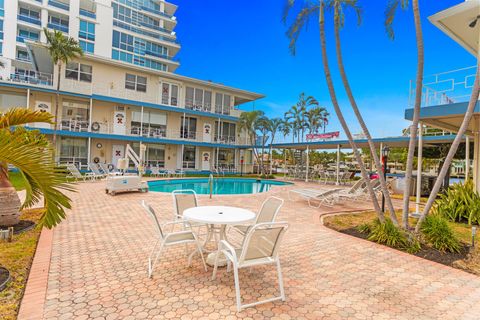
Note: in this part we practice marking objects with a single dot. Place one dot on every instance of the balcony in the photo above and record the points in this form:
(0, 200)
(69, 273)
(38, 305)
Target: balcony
(129, 27)
(88, 14)
(58, 27)
(158, 12)
(445, 88)
(34, 78)
(28, 19)
(58, 4)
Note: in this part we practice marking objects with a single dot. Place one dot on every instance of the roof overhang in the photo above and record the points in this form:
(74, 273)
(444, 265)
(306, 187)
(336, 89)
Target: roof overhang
(455, 22)
(41, 60)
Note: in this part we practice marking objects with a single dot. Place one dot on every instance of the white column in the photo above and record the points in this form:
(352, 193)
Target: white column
(308, 163)
(419, 169)
(28, 99)
(141, 122)
(476, 158)
(467, 157)
(284, 164)
(89, 149)
(338, 165)
(90, 115)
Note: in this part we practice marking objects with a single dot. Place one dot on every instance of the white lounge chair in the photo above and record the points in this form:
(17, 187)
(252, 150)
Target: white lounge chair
(325, 197)
(77, 175)
(154, 171)
(268, 213)
(184, 237)
(96, 171)
(106, 170)
(260, 247)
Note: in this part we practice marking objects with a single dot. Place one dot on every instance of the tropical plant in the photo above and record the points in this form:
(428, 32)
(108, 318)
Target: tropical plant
(62, 50)
(263, 126)
(274, 126)
(438, 233)
(249, 123)
(460, 202)
(389, 234)
(309, 9)
(30, 152)
(339, 19)
(453, 149)
(315, 119)
(390, 13)
(296, 116)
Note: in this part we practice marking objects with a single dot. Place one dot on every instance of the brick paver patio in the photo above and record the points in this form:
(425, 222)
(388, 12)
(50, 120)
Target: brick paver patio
(98, 270)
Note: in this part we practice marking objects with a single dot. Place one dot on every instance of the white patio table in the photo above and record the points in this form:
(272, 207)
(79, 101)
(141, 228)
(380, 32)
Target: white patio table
(221, 216)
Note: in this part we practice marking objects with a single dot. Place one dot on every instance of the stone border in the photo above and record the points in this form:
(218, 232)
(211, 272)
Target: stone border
(32, 304)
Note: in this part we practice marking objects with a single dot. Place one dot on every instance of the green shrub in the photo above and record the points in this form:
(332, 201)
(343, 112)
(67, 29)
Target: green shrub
(364, 228)
(439, 234)
(388, 234)
(459, 203)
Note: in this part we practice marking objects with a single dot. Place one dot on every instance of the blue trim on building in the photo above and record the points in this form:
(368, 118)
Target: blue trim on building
(446, 110)
(96, 135)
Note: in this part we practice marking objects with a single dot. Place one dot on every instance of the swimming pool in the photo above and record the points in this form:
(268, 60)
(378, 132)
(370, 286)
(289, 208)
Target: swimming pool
(220, 185)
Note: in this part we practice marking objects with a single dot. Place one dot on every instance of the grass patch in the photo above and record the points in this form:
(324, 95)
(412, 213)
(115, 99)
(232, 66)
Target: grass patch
(17, 257)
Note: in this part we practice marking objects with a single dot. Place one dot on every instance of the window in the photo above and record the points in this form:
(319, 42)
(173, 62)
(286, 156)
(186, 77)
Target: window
(1, 29)
(226, 132)
(87, 30)
(59, 21)
(28, 34)
(30, 13)
(73, 150)
(22, 55)
(79, 72)
(1, 8)
(169, 94)
(222, 103)
(134, 82)
(75, 116)
(154, 124)
(188, 128)
(198, 99)
(88, 47)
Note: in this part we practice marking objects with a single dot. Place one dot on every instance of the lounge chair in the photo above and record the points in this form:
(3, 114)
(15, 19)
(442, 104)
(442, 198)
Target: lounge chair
(323, 197)
(268, 213)
(185, 237)
(154, 171)
(77, 175)
(260, 247)
(106, 170)
(96, 171)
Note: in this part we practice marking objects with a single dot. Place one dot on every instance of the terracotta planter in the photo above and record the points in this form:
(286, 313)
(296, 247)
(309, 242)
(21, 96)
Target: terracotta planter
(10, 208)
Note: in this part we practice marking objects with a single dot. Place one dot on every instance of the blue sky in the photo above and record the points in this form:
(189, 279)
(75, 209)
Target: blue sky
(243, 44)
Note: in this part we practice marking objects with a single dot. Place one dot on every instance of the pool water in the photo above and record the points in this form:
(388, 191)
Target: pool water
(220, 185)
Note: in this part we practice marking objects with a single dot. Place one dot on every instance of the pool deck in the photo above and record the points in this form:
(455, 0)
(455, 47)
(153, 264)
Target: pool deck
(93, 266)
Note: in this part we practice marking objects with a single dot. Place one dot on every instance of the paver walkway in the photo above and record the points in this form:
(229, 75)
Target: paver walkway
(99, 255)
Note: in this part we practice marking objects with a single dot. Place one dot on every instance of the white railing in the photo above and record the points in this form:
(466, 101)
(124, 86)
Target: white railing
(445, 87)
(33, 78)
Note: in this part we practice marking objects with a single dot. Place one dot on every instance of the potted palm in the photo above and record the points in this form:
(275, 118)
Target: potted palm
(31, 153)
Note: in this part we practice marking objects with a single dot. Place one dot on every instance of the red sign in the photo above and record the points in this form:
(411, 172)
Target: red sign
(319, 136)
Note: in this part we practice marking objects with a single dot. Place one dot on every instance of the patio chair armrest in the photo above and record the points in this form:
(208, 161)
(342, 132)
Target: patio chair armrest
(224, 245)
(179, 222)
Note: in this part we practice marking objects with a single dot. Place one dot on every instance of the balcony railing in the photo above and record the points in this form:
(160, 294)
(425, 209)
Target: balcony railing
(58, 27)
(445, 88)
(58, 4)
(29, 19)
(88, 14)
(129, 27)
(35, 78)
(160, 13)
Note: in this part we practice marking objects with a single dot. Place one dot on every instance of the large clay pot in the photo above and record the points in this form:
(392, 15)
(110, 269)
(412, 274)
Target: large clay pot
(9, 206)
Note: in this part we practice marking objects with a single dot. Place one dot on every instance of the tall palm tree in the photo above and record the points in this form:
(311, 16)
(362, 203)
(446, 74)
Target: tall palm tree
(249, 123)
(263, 126)
(453, 149)
(315, 118)
(274, 126)
(339, 18)
(62, 50)
(30, 152)
(296, 115)
(308, 10)
(389, 19)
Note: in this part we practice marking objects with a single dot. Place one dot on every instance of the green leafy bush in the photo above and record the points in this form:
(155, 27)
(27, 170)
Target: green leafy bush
(459, 203)
(439, 234)
(364, 228)
(388, 234)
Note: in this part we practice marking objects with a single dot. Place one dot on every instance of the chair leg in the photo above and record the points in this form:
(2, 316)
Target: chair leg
(280, 280)
(237, 288)
(200, 251)
(151, 265)
(215, 265)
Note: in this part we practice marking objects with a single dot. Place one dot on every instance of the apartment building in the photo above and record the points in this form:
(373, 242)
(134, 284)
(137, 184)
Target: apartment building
(124, 90)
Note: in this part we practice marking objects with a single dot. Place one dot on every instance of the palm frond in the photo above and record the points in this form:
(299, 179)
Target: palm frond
(22, 116)
(390, 13)
(301, 21)
(62, 48)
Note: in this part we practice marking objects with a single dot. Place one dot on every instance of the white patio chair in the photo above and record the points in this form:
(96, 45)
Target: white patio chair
(260, 247)
(154, 171)
(77, 175)
(104, 167)
(323, 197)
(268, 213)
(96, 171)
(184, 237)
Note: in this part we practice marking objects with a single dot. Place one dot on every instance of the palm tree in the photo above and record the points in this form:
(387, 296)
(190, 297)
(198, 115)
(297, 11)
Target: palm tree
(339, 19)
(274, 125)
(62, 50)
(296, 116)
(249, 123)
(389, 19)
(263, 126)
(30, 152)
(315, 118)
(453, 149)
(308, 10)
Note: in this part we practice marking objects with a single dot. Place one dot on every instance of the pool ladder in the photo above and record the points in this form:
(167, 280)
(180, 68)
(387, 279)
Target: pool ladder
(210, 184)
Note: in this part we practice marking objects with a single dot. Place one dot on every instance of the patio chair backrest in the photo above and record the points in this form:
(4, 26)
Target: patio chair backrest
(155, 170)
(104, 168)
(356, 186)
(94, 168)
(74, 170)
(263, 241)
(151, 213)
(269, 210)
(182, 200)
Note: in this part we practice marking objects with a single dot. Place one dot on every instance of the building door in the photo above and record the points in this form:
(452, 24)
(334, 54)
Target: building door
(119, 122)
(118, 152)
(206, 161)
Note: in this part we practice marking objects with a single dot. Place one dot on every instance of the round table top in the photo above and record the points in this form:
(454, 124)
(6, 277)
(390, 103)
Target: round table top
(218, 215)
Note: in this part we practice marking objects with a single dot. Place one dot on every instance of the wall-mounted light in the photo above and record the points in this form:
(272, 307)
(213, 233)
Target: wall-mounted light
(474, 22)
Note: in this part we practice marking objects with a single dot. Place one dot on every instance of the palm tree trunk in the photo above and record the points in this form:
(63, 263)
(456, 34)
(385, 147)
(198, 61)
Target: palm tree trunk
(338, 111)
(416, 113)
(453, 149)
(57, 99)
(356, 110)
(10, 208)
